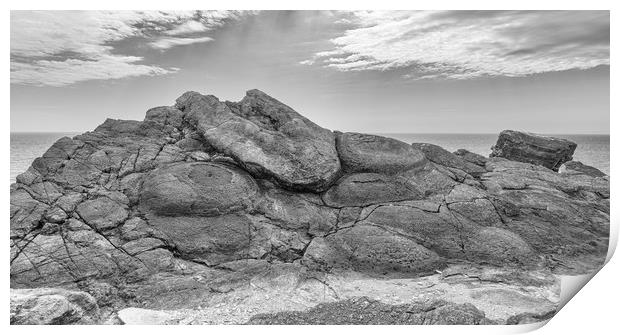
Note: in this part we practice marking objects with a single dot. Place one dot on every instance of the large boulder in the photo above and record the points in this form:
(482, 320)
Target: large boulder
(550, 152)
(52, 306)
(267, 137)
(372, 153)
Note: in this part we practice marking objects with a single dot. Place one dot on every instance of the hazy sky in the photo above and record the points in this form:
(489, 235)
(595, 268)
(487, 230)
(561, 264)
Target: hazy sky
(418, 72)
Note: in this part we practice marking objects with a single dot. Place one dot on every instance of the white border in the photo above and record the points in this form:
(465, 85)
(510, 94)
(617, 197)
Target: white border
(595, 309)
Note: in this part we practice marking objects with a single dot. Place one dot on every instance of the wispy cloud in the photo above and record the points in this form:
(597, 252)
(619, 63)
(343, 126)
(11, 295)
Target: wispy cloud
(57, 48)
(167, 43)
(61, 73)
(468, 44)
(188, 27)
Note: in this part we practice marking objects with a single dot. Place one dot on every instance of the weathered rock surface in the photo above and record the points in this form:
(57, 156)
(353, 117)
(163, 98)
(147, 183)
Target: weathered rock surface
(52, 307)
(546, 151)
(214, 212)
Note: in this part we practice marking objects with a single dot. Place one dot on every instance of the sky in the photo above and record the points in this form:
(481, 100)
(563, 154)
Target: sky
(368, 71)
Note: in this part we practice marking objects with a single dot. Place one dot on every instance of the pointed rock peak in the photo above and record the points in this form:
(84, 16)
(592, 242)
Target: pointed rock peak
(259, 98)
(256, 93)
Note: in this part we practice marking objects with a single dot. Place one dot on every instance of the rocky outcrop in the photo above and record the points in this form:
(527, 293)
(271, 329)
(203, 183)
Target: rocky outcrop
(546, 151)
(215, 212)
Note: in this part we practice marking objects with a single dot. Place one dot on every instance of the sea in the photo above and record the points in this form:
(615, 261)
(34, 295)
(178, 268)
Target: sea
(591, 149)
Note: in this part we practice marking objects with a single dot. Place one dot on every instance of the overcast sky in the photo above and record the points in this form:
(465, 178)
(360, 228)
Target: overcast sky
(381, 72)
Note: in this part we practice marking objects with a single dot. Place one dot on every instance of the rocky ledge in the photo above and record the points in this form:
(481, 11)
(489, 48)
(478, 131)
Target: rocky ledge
(247, 212)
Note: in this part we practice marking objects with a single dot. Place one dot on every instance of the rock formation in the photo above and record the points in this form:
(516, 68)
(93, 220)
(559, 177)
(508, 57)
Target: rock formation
(221, 212)
(546, 151)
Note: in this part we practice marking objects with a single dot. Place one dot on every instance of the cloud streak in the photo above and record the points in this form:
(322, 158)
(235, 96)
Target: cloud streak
(58, 48)
(62, 73)
(469, 44)
(167, 43)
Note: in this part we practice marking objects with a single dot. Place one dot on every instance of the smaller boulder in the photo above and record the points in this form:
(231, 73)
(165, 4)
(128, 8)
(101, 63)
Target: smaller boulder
(546, 151)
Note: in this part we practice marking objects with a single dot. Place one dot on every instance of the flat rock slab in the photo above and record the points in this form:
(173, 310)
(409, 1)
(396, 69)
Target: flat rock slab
(142, 316)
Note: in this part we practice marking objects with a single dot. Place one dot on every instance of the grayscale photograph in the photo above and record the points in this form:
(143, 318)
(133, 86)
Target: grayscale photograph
(306, 167)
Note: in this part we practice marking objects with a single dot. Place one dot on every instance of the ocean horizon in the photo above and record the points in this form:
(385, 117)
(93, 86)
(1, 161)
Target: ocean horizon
(592, 149)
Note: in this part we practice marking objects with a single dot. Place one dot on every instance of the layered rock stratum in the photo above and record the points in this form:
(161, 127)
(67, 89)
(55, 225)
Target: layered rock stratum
(211, 212)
